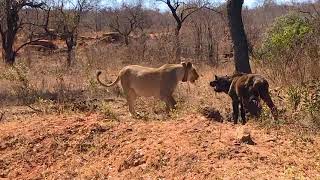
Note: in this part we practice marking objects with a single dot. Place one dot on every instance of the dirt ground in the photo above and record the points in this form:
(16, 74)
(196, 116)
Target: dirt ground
(110, 144)
(90, 146)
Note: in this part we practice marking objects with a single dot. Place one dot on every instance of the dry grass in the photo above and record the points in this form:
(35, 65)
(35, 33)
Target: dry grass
(77, 129)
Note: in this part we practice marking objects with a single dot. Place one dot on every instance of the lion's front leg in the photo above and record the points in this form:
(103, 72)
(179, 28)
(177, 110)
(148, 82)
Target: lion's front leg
(170, 102)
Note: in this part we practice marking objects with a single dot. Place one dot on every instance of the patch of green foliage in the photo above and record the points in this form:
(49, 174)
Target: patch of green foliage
(286, 32)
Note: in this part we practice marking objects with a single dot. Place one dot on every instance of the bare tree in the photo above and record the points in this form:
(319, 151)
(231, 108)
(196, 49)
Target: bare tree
(128, 19)
(69, 21)
(11, 23)
(204, 23)
(212, 40)
(198, 30)
(180, 11)
(238, 35)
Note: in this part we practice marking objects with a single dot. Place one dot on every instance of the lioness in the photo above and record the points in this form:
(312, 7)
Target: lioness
(243, 88)
(157, 82)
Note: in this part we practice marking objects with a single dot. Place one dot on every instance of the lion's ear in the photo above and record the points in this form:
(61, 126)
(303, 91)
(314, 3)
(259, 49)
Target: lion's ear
(183, 64)
(189, 65)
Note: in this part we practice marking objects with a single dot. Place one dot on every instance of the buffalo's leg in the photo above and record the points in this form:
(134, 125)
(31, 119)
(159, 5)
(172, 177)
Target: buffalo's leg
(235, 108)
(242, 111)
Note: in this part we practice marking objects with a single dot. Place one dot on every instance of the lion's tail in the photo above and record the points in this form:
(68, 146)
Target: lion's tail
(106, 85)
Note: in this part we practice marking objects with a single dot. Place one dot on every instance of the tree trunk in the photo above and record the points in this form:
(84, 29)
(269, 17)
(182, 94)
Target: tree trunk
(217, 52)
(69, 57)
(177, 45)
(8, 36)
(8, 53)
(9, 56)
(238, 35)
(126, 40)
(210, 47)
(198, 41)
(70, 44)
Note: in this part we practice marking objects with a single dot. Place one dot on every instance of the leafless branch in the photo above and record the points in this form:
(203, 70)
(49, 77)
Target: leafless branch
(30, 4)
(27, 43)
(190, 13)
(35, 5)
(32, 24)
(315, 9)
(174, 10)
(222, 16)
(214, 10)
(47, 20)
(162, 1)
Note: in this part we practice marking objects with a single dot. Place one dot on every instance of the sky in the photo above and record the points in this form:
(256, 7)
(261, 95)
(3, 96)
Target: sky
(162, 6)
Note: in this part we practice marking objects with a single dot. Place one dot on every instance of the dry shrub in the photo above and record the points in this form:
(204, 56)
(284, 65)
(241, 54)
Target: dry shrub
(305, 103)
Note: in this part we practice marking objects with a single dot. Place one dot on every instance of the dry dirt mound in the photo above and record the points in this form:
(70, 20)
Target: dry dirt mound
(90, 146)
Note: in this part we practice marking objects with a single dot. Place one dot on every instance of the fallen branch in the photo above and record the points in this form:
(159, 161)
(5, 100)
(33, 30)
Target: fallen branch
(2, 115)
(27, 43)
(37, 110)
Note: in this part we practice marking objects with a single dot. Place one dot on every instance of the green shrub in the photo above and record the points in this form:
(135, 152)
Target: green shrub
(287, 32)
(289, 50)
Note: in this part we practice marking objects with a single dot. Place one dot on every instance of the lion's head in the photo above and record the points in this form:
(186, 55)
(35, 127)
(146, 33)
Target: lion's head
(191, 73)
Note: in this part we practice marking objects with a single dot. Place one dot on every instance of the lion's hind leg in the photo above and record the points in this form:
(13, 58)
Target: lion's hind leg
(131, 97)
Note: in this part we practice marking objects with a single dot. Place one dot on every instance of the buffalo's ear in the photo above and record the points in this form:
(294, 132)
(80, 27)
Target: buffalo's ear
(216, 77)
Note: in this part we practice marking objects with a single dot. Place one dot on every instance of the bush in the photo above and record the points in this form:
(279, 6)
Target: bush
(287, 32)
(290, 49)
(305, 101)
(18, 75)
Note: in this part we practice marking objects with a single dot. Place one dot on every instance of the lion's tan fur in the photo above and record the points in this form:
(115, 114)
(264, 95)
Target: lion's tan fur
(157, 82)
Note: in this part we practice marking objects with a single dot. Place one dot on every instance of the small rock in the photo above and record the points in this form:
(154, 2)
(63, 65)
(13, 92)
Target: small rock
(244, 136)
(211, 113)
(135, 159)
